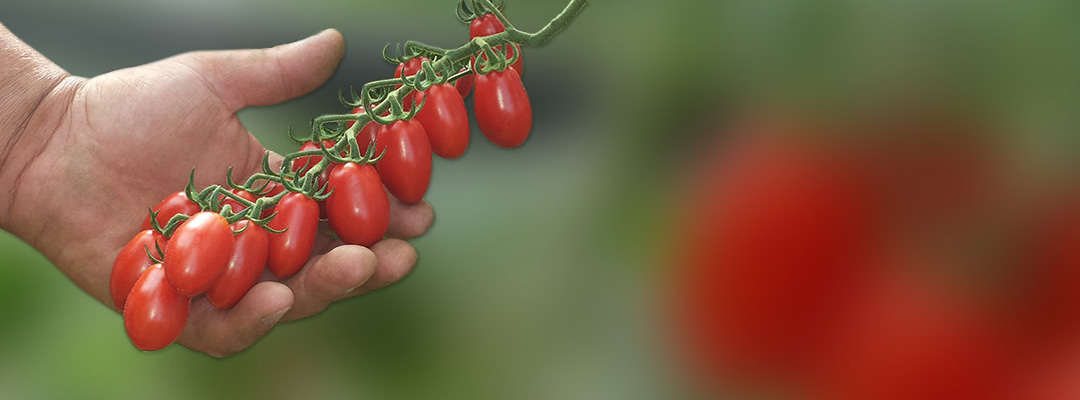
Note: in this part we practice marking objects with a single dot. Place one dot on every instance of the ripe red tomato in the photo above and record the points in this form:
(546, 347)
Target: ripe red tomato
(774, 236)
(233, 204)
(130, 264)
(155, 313)
(502, 108)
(298, 215)
(489, 24)
(197, 253)
(272, 189)
(464, 84)
(245, 266)
(304, 163)
(358, 209)
(406, 167)
(299, 162)
(408, 68)
(322, 203)
(445, 121)
(1050, 274)
(367, 133)
(176, 203)
(910, 338)
(1047, 377)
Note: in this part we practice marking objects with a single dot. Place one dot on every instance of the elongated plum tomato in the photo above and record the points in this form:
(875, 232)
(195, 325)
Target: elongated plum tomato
(489, 24)
(245, 266)
(408, 68)
(502, 108)
(1050, 294)
(298, 216)
(773, 237)
(176, 203)
(405, 169)
(464, 84)
(445, 120)
(155, 313)
(271, 189)
(234, 205)
(358, 209)
(322, 181)
(304, 163)
(911, 337)
(197, 253)
(131, 263)
(367, 133)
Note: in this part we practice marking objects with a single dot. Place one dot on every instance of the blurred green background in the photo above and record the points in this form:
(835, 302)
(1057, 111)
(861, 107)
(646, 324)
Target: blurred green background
(539, 278)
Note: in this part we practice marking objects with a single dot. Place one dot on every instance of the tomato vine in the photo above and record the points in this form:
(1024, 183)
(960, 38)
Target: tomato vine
(378, 97)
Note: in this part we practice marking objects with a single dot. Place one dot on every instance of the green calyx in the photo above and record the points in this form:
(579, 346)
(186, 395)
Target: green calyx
(468, 10)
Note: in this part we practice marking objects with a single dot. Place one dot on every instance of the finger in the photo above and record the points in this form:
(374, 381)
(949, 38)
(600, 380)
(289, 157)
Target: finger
(329, 278)
(259, 77)
(220, 333)
(396, 259)
(408, 221)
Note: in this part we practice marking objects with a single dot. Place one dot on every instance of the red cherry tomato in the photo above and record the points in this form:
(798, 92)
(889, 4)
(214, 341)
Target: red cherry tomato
(464, 84)
(408, 68)
(1050, 293)
(774, 237)
(304, 163)
(176, 203)
(299, 162)
(489, 24)
(358, 209)
(130, 264)
(272, 189)
(405, 169)
(1047, 377)
(155, 313)
(298, 215)
(445, 121)
(367, 133)
(245, 266)
(234, 205)
(907, 338)
(197, 253)
(502, 108)
(322, 203)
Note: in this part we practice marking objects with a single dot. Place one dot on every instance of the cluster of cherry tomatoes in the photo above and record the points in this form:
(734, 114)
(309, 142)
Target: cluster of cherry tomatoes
(189, 248)
(898, 267)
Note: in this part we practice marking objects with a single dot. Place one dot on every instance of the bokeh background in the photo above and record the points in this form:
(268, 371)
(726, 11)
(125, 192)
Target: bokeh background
(542, 275)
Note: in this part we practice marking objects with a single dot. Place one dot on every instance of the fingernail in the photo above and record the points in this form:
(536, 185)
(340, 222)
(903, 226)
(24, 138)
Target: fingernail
(272, 319)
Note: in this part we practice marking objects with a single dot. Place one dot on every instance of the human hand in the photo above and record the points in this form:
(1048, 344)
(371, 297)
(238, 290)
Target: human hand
(99, 152)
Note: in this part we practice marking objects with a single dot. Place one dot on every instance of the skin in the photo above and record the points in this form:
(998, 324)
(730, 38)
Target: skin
(89, 150)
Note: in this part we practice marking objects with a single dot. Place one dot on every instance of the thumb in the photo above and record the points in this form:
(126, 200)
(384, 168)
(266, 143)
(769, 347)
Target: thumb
(259, 77)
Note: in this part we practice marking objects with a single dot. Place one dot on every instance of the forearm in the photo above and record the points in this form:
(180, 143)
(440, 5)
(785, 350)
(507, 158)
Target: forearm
(32, 100)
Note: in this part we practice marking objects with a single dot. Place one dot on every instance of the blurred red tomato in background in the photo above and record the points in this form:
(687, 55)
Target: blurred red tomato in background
(910, 336)
(776, 231)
